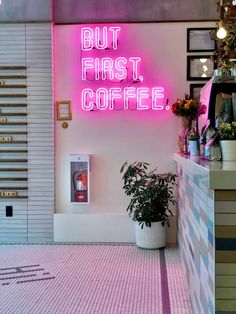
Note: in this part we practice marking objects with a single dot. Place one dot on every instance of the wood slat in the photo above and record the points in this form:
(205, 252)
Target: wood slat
(13, 86)
(13, 77)
(14, 197)
(12, 188)
(13, 151)
(12, 114)
(14, 142)
(14, 123)
(14, 169)
(13, 95)
(13, 67)
(13, 105)
(13, 160)
(13, 132)
(14, 179)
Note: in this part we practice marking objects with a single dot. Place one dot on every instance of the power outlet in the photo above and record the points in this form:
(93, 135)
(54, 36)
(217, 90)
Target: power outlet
(9, 211)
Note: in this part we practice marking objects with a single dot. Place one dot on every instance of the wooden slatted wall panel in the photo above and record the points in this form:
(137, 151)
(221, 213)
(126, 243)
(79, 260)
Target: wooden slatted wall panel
(12, 52)
(225, 232)
(40, 132)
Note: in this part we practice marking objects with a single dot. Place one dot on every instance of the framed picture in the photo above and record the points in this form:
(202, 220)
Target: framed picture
(200, 68)
(64, 110)
(199, 39)
(194, 90)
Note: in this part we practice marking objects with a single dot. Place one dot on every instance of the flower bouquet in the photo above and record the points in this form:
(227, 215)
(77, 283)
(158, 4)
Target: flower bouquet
(188, 109)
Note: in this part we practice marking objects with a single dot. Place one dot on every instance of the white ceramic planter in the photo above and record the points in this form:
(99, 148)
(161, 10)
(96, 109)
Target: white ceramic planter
(150, 238)
(228, 149)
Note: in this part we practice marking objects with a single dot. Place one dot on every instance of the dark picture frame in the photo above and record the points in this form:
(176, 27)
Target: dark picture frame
(199, 40)
(200, 67)
(194, 90)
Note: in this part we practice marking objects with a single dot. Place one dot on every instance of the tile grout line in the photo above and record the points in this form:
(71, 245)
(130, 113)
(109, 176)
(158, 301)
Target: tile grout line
(164, 284)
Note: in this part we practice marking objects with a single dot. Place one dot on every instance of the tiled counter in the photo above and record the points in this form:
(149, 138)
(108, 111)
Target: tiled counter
(207, 232)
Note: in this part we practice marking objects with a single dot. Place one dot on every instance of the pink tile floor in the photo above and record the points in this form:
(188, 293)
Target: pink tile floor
(95, 278)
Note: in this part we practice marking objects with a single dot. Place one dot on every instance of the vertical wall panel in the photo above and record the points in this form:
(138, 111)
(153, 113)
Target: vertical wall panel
(40, 132)
(30, 46)
(196, 238)
(225, 227)
(12, 53)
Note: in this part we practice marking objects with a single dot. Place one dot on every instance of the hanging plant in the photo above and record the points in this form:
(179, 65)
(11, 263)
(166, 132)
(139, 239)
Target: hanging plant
(227, 46)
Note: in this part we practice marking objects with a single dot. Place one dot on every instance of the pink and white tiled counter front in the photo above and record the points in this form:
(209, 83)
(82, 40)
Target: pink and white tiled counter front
(207, 232)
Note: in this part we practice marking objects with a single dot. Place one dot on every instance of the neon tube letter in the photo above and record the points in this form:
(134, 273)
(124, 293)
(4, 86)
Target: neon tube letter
(87, 63)
(121, 68)
(157, 93)
(87, 38)
(87, 92)
(142, 93)
(135, 61)
(115, 93)
(114, 30)
(99, 104)
(101, 41)
(129, 93)
(107, 66)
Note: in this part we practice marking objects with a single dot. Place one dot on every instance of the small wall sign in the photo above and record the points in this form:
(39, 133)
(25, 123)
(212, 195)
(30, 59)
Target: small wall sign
(64, 110)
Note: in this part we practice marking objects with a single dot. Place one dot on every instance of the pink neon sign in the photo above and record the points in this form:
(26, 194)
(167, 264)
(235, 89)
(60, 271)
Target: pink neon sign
(114, 70)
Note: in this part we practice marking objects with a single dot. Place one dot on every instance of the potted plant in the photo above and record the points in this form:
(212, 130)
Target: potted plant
(151, 195)
(228, 141)
(193, 146)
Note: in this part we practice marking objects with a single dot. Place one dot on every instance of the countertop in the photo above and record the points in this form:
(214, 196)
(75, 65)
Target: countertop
(222, 174)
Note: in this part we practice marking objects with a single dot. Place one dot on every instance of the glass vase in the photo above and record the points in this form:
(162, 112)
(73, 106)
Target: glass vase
(185, 127)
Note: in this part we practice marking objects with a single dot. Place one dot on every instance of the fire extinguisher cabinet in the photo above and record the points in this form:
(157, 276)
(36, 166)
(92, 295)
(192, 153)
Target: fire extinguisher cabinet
(79, 178)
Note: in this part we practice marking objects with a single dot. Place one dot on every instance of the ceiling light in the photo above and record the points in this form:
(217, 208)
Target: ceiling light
(203, 60)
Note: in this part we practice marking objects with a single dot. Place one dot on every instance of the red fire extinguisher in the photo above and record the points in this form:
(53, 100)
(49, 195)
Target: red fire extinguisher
(81, 194)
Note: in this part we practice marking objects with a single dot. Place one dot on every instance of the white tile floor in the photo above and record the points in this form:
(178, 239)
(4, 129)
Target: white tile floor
(84, 279)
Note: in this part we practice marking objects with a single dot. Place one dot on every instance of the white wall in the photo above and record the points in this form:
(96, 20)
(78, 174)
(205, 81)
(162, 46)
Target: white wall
(114, 137)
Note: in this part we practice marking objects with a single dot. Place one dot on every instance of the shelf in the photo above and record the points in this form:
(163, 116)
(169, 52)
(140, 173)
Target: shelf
(14, 142)
(12, 114)
(13, 86)
(10, 188)
(12, 77)
(14, 123)
(13, 197)
(13, 95)
(13, 160)
(13, 132)
(13, 105)
(13, 67)
(14, 169)
(13, 179)
(13, 151)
